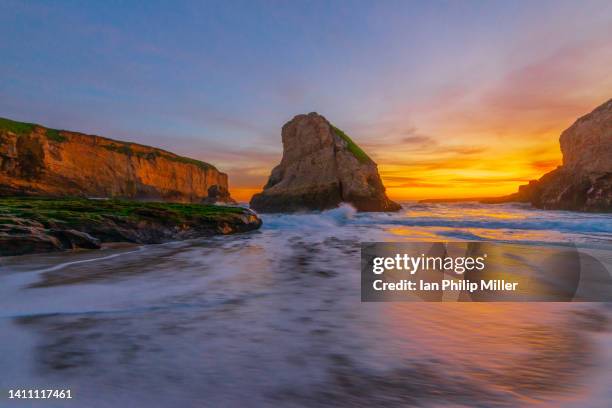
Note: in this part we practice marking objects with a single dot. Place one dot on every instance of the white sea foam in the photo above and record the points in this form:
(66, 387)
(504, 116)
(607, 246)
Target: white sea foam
(334, 218)
(461, 221)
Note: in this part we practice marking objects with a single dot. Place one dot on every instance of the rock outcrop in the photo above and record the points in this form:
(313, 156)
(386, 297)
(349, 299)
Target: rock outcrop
(321, 168)
(32, 225)
(35, 160)
(584, 181)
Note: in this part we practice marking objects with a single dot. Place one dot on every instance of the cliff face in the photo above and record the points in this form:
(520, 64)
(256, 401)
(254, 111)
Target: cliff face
(587, 144)
(321, 168)
(584, 181)
(40, 161)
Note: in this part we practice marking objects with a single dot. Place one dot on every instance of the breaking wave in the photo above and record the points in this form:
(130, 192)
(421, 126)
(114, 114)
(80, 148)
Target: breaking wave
(457, 221)
(336, 217)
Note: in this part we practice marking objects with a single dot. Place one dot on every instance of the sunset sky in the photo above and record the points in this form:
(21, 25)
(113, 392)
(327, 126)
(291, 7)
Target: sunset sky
(451, 99)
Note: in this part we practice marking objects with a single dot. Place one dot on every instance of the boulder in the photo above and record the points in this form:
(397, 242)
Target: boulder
(321, 168)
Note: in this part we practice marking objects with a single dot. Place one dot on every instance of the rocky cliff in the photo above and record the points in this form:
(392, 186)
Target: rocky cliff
(321, 168)
(35, 160)
(584, 181)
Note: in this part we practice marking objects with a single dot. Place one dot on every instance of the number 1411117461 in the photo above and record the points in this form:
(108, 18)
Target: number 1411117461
(39, 394)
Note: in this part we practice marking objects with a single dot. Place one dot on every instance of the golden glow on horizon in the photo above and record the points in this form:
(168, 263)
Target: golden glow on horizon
(244, 194)
(468, 155)
(483, 154)
(456, 175)
(472, 176)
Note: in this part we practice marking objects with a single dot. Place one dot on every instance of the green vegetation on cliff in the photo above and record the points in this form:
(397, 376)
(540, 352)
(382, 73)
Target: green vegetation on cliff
(122, 148)
(126, 148)
(23, 128)
(352, 146)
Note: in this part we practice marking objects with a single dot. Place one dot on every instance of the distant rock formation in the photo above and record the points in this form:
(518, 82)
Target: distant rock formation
(584, 181)
(218, 194)
(321, 168)
(35, 160)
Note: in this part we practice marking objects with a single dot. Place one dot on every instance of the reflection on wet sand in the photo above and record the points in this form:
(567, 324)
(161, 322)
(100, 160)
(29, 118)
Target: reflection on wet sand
(528, 350)
(479, 354)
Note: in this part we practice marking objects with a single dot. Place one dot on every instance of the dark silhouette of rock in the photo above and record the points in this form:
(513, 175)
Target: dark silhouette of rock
(218, 194)
(320, 169)
(584, 181)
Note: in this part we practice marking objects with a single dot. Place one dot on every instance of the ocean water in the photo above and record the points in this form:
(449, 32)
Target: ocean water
(274, 318)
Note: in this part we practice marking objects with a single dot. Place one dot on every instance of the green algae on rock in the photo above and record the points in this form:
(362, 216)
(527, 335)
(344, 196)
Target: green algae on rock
(34, 224)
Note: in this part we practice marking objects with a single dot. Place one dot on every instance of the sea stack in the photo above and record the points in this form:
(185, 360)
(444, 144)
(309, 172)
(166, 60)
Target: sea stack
(584, 181)
(320, 169)
(35, 160)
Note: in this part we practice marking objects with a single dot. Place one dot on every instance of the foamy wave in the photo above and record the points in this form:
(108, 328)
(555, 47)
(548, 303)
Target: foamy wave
(310, 220)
